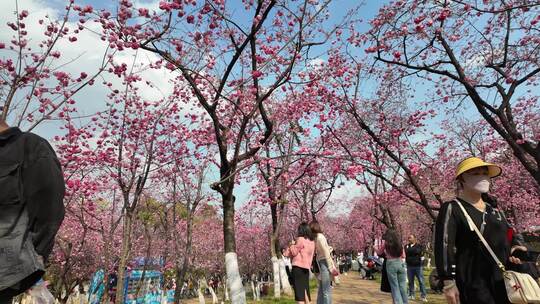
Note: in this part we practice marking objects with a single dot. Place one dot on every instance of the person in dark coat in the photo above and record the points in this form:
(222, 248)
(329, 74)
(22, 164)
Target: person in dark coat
(32, 209)
(413, 258)
(469, 273)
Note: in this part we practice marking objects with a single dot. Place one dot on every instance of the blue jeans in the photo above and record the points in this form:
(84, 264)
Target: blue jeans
(324, 294)
(412, 272)
(395, 269)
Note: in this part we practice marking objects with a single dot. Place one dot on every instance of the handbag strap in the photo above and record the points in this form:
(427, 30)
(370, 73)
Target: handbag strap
(473, 227)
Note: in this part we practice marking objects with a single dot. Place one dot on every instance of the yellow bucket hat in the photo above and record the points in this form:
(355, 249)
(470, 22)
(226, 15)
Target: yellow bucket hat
(475, 162)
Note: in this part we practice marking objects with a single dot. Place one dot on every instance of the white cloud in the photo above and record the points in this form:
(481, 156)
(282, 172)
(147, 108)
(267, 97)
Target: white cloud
(152, 5)
(315, 63)
(87, 55)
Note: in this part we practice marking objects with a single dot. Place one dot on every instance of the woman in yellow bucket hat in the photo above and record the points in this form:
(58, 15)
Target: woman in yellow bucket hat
(469, 273)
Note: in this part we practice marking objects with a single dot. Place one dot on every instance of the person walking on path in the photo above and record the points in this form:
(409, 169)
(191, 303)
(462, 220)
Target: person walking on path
(469, 273)
(327, 269)
(413, 258)
(32, 209)
(392, 248)
(301, 252)
(341, 263)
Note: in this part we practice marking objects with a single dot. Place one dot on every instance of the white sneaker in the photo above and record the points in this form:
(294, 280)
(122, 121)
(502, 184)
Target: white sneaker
(411, 297)
(424, 299)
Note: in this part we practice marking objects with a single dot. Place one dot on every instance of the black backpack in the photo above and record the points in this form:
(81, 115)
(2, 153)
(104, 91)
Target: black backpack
(19, 262)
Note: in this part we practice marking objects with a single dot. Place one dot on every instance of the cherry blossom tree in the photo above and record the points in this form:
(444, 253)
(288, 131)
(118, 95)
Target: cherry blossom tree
(93, 215)
(188, 180)
(37, 83)
(272, 173)
(232, 67)
(75, 257)
(126, 141)
(485, 53)
(515, 190)
(280, 169)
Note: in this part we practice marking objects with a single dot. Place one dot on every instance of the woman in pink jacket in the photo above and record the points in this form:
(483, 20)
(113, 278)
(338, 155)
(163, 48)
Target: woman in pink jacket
(301, 252)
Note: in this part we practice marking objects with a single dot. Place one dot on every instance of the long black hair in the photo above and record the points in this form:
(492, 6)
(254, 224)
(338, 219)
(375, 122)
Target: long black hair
(304, 231)
(392, 243)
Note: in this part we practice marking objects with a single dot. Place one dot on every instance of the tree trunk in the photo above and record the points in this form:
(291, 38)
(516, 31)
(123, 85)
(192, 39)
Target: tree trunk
(258, 290)
(107, 269)
(108, 239)
(285, 285)
(179, 284)
(226, 289)
(214, 296)
(106, 279)
(238, 294)
(387, 217)
(276, 276)
(147, 258)
(201, 296)
(65, 298)
(274, 249)
(253, 291)
(181, 275)
(126, 248)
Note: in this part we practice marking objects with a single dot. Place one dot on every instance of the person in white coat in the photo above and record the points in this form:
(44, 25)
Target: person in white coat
(327, 268)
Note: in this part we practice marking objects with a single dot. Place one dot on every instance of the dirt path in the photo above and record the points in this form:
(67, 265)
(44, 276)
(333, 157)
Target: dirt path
(353, 290)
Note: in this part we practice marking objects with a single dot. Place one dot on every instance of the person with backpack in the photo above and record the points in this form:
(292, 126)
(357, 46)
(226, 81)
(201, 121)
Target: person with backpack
(469, 272)
(32, 210)
(413, 258)
(392, 248)
(301, 252)
(327, 269)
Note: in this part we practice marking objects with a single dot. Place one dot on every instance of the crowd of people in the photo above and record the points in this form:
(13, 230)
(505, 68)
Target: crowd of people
(310, 252)
(466, 273)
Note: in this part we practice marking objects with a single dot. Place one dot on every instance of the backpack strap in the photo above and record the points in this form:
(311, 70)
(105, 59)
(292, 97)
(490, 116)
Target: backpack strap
(473, 227)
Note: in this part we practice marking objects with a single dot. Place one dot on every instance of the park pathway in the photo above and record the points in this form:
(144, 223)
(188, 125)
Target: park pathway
(353, 290)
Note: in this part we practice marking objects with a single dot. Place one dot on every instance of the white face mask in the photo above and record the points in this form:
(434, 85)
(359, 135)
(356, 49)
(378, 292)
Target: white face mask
(479, 183)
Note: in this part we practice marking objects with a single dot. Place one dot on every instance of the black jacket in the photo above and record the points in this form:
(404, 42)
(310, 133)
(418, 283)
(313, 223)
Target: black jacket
(413, 255)
(459, 254)
(42, 187)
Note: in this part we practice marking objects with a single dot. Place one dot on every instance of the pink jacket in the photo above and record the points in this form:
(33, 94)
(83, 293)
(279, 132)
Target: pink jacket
(301, 253)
